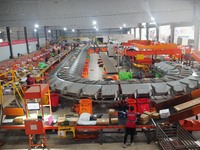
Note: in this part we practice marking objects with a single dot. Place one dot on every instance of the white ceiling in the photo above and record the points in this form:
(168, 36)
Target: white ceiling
(79, 14)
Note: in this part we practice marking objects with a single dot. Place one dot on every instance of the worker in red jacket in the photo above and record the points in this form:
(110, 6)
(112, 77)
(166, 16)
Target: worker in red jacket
(130, 126)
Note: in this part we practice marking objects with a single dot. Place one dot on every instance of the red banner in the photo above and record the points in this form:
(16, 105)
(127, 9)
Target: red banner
(14, 42)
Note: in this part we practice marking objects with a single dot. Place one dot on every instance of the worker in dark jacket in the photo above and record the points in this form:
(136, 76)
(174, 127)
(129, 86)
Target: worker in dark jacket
(130, 126)
(30, 80)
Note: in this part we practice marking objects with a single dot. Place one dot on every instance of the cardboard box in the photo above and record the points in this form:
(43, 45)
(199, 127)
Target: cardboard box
(155, 116)
(187, 105)
(61, 120)
(111, 113)
(144, 119)
(73, 121)
(18, 120)
(148, 113)
(102, 121)
(164, 113)
(114, 121)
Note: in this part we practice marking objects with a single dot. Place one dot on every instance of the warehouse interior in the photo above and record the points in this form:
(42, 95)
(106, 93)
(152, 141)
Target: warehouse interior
(70, 70)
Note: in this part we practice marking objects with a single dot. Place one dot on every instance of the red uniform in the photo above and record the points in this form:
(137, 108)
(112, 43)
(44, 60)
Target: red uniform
(131, 119)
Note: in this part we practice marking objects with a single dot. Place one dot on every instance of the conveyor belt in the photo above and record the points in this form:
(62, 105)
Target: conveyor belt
(160, 88)
(176, 87)
(127, 89)
(110, 68)
(73, 84)
(77, 67)
(191, 84)
(109, 91)
(143, 89)
(75, 89)
(91, 91)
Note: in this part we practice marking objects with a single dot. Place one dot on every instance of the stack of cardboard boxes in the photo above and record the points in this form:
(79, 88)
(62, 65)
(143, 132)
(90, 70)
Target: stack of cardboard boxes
(146, 116)
(112, 118)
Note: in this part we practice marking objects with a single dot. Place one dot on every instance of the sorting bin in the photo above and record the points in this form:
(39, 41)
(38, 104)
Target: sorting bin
(54, 101)
(132, 102)
(143, 104)
(85, 106)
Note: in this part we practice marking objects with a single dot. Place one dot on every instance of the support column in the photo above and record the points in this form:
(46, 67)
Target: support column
(26, 39)
(147, 31)
(157, 32)
(196, 35)
(38, 39)
(9, 42)
(45, 33)
(140, 31)
(56, 35)
(172, 33)
(52, 34)
(18, 36)
(134, 33)
(78, 33)
(60, 33)
(196, 20)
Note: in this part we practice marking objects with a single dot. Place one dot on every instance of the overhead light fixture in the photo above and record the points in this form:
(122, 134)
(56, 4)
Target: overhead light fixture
(49, 31)
(35, 30)
(152, 19)
(0, 31)
(152, 22)
(65, 29)
(94, 27)
(120, 28)
(124, 25)
(36, 26)
(94, 22)
(97, 29)
(73, 30)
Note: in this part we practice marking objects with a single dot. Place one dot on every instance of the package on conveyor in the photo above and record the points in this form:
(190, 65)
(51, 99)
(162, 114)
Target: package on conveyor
(61, 120)
(148, 113)
(111, 113)
(155, 115)
(18, 120)
(102, 121)
(73, 121)
(144, 119)
(164, 113)
(114, 121)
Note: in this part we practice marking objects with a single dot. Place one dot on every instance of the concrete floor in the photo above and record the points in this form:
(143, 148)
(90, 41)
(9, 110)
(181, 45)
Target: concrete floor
(94, 71)
(18, 140)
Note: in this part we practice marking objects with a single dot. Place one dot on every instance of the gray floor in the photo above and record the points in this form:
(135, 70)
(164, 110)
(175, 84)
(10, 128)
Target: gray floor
(18, 140)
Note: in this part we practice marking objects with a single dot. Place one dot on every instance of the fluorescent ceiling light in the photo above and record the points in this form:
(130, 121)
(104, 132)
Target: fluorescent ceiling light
(65, 29)
(94, 22)
(49, 31)
(97, 29)
(120, 28)
(35, 30)
(124, 25)
(152, 19)
(94, 27)
(152, 22)
(36, 26)
(73, 30)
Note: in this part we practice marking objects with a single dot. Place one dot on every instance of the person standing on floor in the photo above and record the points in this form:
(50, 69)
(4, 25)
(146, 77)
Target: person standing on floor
(130, 126)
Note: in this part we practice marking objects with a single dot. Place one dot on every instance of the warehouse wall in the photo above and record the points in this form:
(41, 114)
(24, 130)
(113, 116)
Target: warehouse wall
(17, 48)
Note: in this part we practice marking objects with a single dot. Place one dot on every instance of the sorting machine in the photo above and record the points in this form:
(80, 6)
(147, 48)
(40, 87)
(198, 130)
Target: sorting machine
(66, 79)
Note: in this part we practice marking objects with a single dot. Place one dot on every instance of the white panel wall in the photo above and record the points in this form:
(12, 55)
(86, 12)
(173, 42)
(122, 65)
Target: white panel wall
(18, 48)
(42, 42)
(5, 53)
